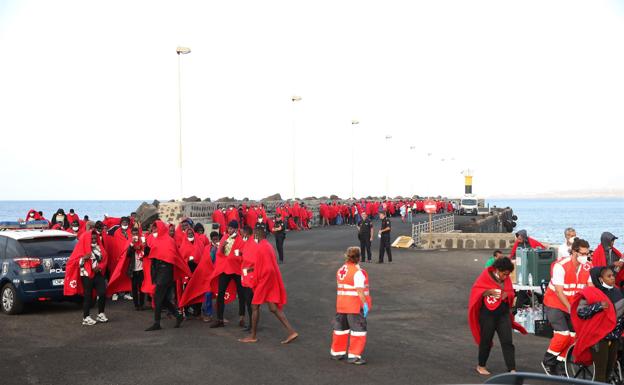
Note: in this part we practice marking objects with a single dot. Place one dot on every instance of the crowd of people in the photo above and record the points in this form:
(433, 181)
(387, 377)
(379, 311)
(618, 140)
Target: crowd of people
(583, 303)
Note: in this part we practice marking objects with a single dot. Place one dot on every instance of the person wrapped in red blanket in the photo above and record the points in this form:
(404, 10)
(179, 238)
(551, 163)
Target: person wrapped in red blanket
(489, 311)
(167, 267)
(607, 255)
(523, 240)
(268, 287)
(598, 317)
(85, 273)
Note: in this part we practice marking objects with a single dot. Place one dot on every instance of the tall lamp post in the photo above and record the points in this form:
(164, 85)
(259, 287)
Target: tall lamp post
(294, 100)
(180, 51)
(388, 137)
(354, 122)
(411, 194)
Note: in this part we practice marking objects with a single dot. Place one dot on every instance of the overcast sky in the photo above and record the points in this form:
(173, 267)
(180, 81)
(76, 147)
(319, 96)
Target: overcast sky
(527, 94)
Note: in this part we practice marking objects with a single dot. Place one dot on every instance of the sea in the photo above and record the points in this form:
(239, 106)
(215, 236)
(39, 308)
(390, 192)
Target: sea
(544, 219)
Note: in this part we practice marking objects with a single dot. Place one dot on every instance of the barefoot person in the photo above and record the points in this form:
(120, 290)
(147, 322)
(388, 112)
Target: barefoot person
(353, 302)
(269, 288)
(489, 311)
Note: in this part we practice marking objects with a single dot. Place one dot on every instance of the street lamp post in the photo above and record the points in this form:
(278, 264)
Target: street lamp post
(294, 100)
(412, 148)
(180, 51)
(353, 124)
(388, 137)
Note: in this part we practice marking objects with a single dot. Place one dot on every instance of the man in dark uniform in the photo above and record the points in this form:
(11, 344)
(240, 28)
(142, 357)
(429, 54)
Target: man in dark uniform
(384, 237)
(365, 235)
(279, 231)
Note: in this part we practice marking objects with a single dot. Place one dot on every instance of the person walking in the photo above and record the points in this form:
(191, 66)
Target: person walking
(353, 302)
(489, 312)
(279, 231)
(384, 238)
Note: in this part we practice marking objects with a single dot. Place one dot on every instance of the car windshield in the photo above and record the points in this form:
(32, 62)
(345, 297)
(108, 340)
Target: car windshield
(51, 246)
(469, 202)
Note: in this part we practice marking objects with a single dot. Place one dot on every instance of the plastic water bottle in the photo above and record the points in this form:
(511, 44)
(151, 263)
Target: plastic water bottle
(530, 279)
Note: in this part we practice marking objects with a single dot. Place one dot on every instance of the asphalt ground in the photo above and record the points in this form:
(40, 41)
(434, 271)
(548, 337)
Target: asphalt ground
(418, 332)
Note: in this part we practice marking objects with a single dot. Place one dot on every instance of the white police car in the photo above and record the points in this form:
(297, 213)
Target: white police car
(32, 264)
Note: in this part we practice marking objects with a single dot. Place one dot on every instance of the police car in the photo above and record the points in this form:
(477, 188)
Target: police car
(32, 264)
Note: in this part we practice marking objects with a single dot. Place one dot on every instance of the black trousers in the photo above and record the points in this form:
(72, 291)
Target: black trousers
(384, 246)
(279, 245)
(604, 356)
(501, 324)
(365, 248)
(162, 298)
(248, 293)
(224, 281)
(138, 297)
(99, 284)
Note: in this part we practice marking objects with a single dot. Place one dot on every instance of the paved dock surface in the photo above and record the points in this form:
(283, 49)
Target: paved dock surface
(418, 333)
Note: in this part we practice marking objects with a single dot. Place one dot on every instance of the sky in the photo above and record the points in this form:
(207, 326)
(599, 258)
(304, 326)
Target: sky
(527, 95)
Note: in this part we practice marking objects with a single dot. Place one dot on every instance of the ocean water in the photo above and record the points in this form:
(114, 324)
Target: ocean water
(546, 219)
(14, 210)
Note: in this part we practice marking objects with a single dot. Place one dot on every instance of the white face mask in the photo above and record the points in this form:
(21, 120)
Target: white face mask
(32, 215)
(60, 218)
(260, 220)
(582, 259)
(155, 235)
(93, 245)
(191, 239)
(125, 227)
(135, 238)
(75, 228)
(571, 241)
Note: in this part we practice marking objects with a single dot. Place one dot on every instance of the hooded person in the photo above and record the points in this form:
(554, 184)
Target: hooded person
(606, 254)
(199, 286)
(167, 267)
(72, 216)
(524, 241)
(76, 229)
(228, 269)
(32, 215)
(218, 216)
(598, 317)
(200, 235)
(128, 273)
(84, 274)
(191, 251)
(59, 220)
(268, 287)
(489, 312)
(117, 246)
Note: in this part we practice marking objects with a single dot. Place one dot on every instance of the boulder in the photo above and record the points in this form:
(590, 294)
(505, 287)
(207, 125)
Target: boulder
(274, 197)
(323, 198)
(156, 203)
(146, 214)
(191, 199)
(310, 199)
(334, 197)
(226, 199)
(207, 200)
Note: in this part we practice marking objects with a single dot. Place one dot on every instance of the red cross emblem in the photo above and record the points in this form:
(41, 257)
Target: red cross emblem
(342, 273)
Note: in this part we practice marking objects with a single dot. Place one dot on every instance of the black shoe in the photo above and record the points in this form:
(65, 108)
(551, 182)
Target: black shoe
(551, 370)
(356, 361)
(217, 324)
(153, 327)
(179, 319)
(338, 358)
(560, 369)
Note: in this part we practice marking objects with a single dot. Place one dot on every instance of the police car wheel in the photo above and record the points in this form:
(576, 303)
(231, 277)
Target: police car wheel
(11, 304)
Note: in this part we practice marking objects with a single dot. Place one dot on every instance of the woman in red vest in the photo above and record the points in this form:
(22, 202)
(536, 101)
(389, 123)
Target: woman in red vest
(353, 302)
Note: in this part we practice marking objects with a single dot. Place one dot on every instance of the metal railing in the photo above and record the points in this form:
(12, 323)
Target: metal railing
(441, 224)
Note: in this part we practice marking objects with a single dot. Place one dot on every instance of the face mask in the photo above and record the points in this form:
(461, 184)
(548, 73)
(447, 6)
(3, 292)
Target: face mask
(135, 238)
(32, 215)
(260, 220)
(570, 241)
(582, 259)
(125, 227)
(93, 245)
(155, 235)
(607, 286)
(245, 239)
(75, 228)
(59, 218)
(191, 239)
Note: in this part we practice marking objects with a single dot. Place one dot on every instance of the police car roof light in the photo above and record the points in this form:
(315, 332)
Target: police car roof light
(31, 225)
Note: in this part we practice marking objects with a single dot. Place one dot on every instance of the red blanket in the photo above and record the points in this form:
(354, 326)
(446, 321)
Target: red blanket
(269, 286)
(73, 283)
(483, 283)
(589, 332)
(199, 284)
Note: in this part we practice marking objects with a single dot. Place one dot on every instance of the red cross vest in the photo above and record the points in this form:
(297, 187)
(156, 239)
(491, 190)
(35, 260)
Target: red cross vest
(573, 283)
(347, 299)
